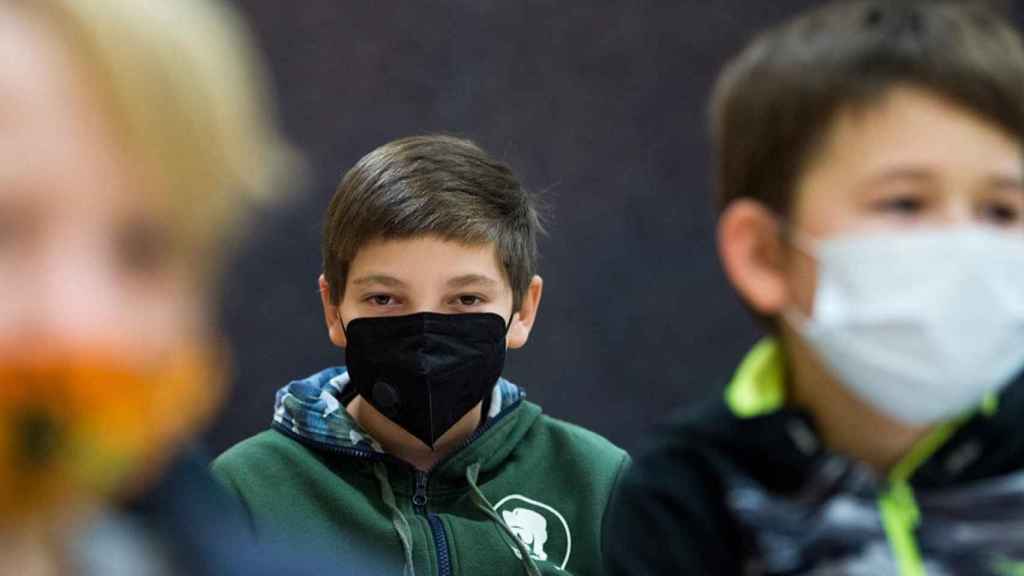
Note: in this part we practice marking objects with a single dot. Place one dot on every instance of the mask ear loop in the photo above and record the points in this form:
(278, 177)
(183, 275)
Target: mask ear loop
(797, 238)
(508, 325)
(341, 322)
(803, 242)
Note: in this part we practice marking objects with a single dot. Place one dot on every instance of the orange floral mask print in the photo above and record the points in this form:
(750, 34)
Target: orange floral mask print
(79, 427)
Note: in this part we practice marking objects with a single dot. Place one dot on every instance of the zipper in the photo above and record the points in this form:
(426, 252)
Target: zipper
(420, 500)
(419, 504)
(419, 497)
(444, 561)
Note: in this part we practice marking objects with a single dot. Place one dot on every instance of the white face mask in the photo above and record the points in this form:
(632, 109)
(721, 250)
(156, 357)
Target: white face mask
(920, 324)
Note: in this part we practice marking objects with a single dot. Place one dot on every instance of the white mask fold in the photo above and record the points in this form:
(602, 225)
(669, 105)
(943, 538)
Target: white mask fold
(921, 324)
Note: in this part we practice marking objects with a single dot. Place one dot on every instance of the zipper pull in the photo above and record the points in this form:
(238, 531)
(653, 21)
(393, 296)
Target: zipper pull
(419, 499)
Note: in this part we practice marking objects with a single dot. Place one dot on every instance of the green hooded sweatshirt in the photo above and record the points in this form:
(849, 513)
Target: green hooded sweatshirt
(526, 494)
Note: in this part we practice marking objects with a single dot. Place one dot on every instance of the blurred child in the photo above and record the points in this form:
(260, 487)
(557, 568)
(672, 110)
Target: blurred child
(869, 166)
(134, 138)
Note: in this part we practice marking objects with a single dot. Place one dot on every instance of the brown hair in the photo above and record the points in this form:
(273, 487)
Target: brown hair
(432, 185)
(774, 103)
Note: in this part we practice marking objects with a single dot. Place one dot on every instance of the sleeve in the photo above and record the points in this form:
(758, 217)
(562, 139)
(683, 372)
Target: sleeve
(668, 518)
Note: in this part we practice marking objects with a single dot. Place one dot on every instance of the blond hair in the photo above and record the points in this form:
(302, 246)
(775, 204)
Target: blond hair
(186, 89)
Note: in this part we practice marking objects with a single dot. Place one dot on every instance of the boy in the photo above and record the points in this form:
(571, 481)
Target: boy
(114, 229)
(869, 163)
(419, 446)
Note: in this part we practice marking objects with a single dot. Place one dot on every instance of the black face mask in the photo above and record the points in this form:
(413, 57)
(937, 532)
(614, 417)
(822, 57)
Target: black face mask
(425, 371)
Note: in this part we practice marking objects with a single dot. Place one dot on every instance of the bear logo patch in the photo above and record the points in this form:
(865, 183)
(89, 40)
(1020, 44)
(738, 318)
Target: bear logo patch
(541, 528)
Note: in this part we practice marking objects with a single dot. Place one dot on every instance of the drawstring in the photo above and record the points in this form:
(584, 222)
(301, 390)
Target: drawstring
(398, 519)
(401, 524)
(472, 473)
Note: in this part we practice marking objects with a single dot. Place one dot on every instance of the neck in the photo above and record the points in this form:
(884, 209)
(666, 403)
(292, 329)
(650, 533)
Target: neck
(847, 424)
(401, 444)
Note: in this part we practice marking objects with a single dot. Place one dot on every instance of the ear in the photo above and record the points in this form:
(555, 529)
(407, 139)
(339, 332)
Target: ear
(752, 252)
(332, 315)
(522, 320)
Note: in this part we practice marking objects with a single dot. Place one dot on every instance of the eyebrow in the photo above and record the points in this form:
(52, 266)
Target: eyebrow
(470, 280)
(1004, 182)
(380, 279)
(901, 173)
(997, 181)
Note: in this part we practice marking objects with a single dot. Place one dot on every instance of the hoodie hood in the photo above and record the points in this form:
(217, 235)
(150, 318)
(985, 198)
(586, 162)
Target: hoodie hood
(313, 410)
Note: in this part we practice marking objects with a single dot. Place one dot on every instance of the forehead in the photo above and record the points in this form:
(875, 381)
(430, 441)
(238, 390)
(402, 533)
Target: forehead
(426, 260)
(42, 105)
(57, 145)
(908, 129)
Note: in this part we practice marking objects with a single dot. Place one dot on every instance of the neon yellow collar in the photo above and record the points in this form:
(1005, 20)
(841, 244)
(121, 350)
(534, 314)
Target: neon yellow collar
(759, 385)
(759, 388)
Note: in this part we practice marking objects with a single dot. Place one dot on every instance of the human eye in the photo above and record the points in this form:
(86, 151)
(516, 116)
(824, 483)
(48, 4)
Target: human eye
(144, 249)
(468, 300)
(1001, 212)
(901, 205)
(380, 300)
(18, 226)
(11, 230)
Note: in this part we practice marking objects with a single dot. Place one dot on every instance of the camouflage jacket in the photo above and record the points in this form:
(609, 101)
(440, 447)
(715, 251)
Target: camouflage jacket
(744, 486)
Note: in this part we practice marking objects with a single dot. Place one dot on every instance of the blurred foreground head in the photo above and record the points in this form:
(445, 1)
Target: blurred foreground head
(135, 136)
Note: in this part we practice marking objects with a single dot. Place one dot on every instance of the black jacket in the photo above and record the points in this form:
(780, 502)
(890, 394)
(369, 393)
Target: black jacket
(722, 494)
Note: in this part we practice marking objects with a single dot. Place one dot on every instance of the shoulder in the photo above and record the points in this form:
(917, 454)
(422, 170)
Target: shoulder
(566, 431)
(269, 454)
(673, 487)
(570, 439)
(260, 445)
(687, 440)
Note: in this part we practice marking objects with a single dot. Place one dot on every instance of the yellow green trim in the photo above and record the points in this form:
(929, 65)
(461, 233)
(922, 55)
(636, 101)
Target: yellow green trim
(922, 450)
(900, 514)
(759, 385)
(990, 404)
(900, 517)
(759, 388)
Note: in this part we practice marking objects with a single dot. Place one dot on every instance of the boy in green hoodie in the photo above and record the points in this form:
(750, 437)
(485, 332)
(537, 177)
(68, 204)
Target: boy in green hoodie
(418, 446)
(870, 167)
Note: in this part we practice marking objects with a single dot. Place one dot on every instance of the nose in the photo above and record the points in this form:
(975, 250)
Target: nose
(956, 210)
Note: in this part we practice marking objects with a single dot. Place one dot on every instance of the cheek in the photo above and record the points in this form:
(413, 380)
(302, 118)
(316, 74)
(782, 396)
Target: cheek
(139, 321)
(801, 280)
(181, 314)
(502, 306)
(348, 310)
(154, 319)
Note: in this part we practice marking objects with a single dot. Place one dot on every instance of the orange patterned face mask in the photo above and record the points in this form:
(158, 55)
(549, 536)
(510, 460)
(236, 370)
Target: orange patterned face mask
(76, 428)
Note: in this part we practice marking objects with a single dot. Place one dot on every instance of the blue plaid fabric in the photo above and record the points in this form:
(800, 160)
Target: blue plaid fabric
(310, 408)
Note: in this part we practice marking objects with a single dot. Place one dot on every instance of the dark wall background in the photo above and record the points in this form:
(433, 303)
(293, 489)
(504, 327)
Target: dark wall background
(599, 105)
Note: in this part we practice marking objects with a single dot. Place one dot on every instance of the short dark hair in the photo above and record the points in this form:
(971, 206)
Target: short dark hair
(774, 103)
(432, 185)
